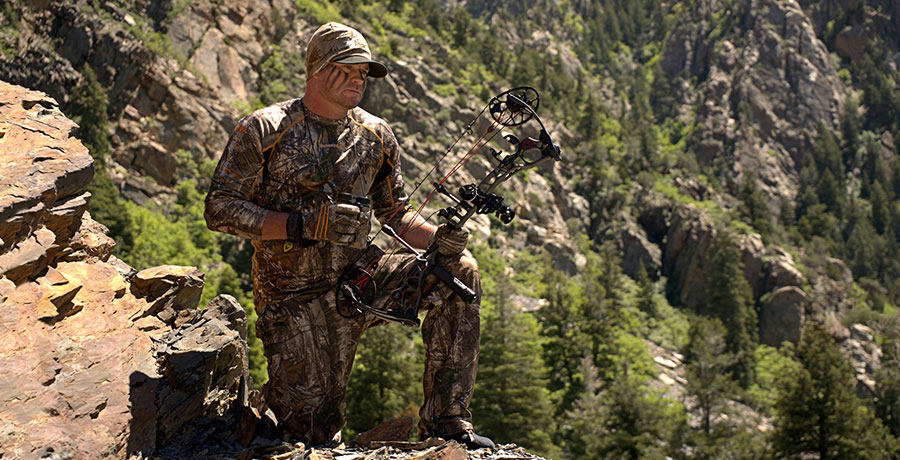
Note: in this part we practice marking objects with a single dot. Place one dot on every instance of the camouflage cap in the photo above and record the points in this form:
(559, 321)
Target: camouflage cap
(335, 42)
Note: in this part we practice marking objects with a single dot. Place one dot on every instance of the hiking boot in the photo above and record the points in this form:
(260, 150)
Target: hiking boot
(472, 440)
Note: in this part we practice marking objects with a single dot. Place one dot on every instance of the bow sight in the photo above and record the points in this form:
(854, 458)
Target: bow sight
(513, 107)
(518, 105)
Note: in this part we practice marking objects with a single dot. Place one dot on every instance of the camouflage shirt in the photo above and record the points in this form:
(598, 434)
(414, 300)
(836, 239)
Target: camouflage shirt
(286, 158)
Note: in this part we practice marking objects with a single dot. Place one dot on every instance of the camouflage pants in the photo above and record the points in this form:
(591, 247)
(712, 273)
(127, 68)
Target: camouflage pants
(310, 350)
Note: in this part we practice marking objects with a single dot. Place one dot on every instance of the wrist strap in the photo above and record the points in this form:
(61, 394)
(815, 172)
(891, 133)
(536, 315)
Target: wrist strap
(294, 227)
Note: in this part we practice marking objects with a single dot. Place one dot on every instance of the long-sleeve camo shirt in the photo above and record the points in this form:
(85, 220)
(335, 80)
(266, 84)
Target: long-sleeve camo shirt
(286, 158)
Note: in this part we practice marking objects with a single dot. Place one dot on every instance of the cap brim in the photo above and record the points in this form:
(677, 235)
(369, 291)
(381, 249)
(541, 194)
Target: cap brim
(376, 69)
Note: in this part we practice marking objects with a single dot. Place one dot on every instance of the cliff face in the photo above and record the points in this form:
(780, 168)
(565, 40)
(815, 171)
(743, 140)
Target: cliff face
(96, 360)
(762, 89)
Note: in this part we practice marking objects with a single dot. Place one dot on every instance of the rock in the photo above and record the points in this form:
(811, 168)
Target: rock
(449, 451)
(87, 367)
(865, 357)
(168, 289)
(527, 303)
(850, 42)
(761, 107)
(639, 252)
(687, 253)
(29, 257)
(205, 366)
(45, 170)
(782, 271)
(397, 429)
(90, 242)
(781, 318)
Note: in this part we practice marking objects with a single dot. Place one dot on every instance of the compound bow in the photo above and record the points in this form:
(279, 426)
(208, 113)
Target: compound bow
(514, 107)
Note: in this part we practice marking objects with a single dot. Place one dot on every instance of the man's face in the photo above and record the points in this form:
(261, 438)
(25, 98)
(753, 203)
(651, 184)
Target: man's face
(343, 84)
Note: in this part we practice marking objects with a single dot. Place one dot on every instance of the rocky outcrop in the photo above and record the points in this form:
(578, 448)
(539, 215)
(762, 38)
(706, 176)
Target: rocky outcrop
(96, 360)
(763, 89)
(865, 356)
(782, 315)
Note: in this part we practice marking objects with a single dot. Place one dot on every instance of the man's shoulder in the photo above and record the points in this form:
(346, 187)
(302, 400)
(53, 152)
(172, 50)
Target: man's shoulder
(269, 119)
(366, 119)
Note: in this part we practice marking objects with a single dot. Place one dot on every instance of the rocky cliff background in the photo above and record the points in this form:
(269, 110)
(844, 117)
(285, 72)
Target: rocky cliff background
(694, 134)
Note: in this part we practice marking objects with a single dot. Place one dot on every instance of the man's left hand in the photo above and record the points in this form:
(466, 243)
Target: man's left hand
(451, 241)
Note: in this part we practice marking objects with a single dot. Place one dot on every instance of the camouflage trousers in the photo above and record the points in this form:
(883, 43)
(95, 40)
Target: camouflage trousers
(310, 347)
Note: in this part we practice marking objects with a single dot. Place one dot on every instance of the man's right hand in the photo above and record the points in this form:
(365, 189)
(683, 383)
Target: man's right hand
(338, 223)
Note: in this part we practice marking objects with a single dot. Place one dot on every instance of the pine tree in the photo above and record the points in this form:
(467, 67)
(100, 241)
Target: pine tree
(754, 207)
(626, 420)
(386, 380)
(729, 298)
(887, 386)
(709, 384)
(87, 106)
(646, 295)
(818, 413)
(511, 399)
(565, 344)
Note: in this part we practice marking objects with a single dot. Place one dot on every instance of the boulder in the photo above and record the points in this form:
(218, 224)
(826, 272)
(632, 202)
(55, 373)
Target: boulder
(97, 360)
(781, 317)
(41, 186)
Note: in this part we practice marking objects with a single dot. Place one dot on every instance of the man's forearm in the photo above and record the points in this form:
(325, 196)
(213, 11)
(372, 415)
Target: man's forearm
(275, 226)
(420, 233)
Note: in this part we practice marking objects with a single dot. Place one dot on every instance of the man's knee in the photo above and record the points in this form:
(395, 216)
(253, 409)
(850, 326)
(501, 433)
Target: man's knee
(468, 264)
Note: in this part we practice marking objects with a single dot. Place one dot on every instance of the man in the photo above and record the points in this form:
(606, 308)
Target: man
(278, 183)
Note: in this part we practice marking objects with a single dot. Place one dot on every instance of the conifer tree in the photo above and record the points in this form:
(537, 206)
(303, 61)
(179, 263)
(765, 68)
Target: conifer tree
(511, 396)
(887, 385)
(646, 301)
(565, 344)
(818, 413)
(87, 106)
(709, 384)
(386, 380)
(754, 207)
(729, 298)
(626, 420)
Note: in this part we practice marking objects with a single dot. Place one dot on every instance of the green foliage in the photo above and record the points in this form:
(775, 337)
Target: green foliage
(887, 384)
(773, 365)
(386, 380)
(87, 106)
(818, 412)
(511, 399)
(754, 207)
(320, 11)
(281, 77)
(627, 420)
(709, 383)
(730, 298)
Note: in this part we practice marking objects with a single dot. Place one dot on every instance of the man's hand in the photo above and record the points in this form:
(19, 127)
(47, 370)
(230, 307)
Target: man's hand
(451, 242)
(339, 223)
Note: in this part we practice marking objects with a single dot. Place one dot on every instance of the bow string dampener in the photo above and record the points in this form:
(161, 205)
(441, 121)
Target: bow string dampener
(511, 108)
